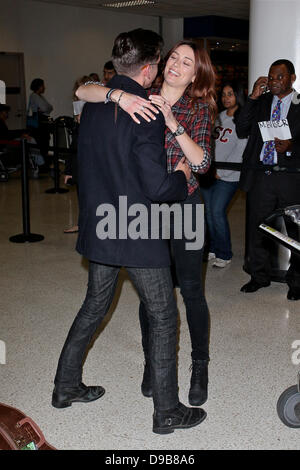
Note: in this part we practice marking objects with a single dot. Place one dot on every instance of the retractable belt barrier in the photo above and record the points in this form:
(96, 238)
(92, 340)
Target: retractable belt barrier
(265, 168)
(27, 236)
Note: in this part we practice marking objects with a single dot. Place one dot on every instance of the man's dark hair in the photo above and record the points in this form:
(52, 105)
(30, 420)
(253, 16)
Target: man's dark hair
(36, 84)
(109, 65)
(136, 48)
(289, 65)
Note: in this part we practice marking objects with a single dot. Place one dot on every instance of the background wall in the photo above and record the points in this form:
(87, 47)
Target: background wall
(274, 34)
(62, 43)
(172, 31)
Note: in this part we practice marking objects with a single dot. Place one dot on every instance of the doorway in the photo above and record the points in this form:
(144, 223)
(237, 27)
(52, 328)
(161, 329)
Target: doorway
(12, 73)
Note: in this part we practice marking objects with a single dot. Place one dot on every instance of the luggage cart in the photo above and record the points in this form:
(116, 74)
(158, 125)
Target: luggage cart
(288, 404)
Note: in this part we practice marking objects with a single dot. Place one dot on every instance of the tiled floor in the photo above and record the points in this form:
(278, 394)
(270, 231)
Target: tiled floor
(42, 287)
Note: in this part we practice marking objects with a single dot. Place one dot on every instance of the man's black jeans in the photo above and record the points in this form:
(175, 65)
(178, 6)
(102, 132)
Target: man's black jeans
(155, 289)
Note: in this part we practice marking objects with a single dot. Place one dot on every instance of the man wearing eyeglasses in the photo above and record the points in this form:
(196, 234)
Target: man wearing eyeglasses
(271, 169)
(119, 158)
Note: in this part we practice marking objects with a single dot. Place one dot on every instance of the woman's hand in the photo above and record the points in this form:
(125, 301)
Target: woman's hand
(134, 104)
(193, 151)
(183, 165)
(166, 109)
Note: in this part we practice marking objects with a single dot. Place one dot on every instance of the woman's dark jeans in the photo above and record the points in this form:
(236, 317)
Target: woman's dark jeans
(188, 269)
(155, 288)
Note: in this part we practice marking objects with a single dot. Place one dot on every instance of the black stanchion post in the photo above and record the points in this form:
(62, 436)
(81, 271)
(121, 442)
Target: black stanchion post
(26, 236)
(246, 267)
(56, 188)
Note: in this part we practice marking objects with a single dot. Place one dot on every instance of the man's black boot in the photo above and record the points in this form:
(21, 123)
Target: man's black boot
(199, 382)
(63, 397)
(146, 386)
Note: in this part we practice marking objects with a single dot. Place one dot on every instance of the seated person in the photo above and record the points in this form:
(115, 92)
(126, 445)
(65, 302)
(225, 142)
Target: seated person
(5, 133)
(12, 156)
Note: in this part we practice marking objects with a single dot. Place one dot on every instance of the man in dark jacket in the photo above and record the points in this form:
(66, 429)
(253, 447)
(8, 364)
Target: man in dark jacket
(271, 169)
(122, 171)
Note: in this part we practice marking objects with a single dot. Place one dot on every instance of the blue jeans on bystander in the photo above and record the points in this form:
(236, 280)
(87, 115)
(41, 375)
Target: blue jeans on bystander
(216, 200)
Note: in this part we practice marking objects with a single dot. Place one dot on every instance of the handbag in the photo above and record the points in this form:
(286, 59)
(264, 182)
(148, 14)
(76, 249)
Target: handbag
(19, 432)
(33, 120)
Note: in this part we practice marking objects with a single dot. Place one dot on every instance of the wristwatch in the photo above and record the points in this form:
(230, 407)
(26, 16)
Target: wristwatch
(179, 131)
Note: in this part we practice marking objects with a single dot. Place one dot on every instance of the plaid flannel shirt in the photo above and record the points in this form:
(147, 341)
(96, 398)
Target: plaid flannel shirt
(196, 121)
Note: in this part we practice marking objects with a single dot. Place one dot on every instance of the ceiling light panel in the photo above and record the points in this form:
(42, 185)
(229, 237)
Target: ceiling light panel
(132, 3)
(166, 8)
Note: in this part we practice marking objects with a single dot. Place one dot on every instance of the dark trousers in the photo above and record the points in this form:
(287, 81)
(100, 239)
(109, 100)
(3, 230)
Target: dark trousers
(155, 289)
(216, 199)
(42, 137)
(271, 192)
(188, 268)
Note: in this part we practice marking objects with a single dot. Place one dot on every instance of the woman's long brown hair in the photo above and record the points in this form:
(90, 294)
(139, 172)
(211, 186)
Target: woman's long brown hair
(204, 84)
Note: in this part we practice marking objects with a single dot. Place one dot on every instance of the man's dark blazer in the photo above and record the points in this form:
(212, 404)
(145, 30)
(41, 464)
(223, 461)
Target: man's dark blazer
(118, 157)
(253, 112)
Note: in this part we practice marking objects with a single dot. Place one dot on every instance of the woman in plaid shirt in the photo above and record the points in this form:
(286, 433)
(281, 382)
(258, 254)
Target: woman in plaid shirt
(187, 101)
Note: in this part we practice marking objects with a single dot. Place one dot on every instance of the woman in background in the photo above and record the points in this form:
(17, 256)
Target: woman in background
(218, 194)
(40, 109)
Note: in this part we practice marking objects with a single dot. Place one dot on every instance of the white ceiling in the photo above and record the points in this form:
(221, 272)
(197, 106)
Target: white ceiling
(172, 8)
